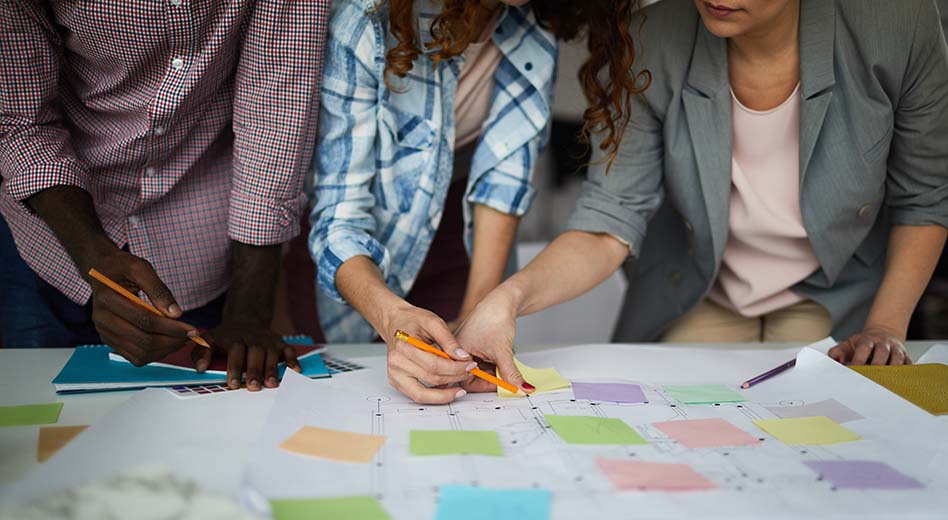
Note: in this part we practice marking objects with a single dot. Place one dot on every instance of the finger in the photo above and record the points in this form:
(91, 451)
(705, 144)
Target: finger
(842, 353)
(438, 330)
(235, 364)
(201, 357)
(150, 347)
(881, 353)
(898, 356)
(256, 356)
(402, 362)
(432, 364)
(510, 373)
(292, 361)
(132, 353)
(863, 349)
(270, 378)
(419, 393)
(141, 318)
(143, 275)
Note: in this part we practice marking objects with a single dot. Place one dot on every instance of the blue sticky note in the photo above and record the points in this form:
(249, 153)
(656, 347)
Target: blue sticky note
(477, 503)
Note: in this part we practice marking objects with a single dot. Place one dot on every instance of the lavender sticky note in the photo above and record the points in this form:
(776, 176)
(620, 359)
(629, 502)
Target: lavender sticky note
(862, 474)
(610, 392)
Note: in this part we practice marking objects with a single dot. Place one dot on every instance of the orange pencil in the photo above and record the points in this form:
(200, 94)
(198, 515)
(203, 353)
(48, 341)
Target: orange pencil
(137, 301)
(417, 343)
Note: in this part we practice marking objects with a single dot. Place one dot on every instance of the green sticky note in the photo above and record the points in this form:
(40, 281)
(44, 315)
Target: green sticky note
(30, 414)
(345, 508)
(807, 431)
(593, 430)
(703, 394)
(450, 442)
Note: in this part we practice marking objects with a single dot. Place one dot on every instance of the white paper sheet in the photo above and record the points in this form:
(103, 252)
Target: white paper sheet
(766, 480)
(206, 440)
(936, 354)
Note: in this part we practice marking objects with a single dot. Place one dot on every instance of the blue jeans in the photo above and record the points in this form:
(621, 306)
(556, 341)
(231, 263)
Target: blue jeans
(33, 313)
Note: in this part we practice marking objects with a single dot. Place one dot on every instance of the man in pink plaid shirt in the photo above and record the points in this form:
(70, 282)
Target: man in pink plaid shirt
(163, 143)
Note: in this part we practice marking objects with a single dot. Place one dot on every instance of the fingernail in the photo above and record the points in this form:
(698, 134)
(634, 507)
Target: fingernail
(201, 365)
(234, 383)
(528, 387)
(193, 334)
(461, 353)
(254, 383)
(174, 309)
(470, 367)
(272, 381)
(460, 394)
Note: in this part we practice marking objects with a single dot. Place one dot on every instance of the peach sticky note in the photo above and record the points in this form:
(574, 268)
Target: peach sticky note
(333, 444)
(706, 433)
(653, 476)
(53, 438)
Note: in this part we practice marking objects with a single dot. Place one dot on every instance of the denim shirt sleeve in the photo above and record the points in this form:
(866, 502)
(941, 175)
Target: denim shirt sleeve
(344, 167)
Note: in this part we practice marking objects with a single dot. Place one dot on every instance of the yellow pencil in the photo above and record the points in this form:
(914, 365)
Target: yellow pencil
(136, 300)
(486, 376)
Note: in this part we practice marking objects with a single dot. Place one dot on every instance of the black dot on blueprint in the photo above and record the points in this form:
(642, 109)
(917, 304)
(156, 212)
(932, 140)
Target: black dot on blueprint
(534, 408)
(672, 405)
(739, 406)
(572, 400)
(496, 408)
(378, 415)
(717, 404)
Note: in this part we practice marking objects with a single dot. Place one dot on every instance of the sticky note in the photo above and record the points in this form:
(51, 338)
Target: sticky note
(577, 429)
(862, 474)
(451, 442)
(706, 433)
(53, 438)
(31, 414)
(333, 444)
(544, 379)
(831, 408)
(703, 394)
(476, 503)
(610, 392)
(361, 508)
(808, 431)
(653, 476)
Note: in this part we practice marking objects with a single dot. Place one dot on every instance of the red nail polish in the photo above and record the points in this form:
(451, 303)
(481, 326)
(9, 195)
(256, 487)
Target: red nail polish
(528, 386)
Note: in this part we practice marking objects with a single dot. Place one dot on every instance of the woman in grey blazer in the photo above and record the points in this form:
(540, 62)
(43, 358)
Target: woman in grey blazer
(787, 169)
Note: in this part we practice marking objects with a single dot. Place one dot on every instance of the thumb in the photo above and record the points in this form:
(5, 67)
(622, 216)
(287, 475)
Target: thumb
(144, 276)
(507, 368)
(201, 357)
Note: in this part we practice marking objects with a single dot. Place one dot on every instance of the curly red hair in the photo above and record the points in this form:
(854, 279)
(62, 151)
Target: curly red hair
(611, 47)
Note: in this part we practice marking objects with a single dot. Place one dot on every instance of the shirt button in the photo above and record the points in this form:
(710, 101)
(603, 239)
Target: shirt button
(176, 3)
(159, 130)
(865, 211)
(149, 171)
(133, 221)
(675, 278)
(177, 64)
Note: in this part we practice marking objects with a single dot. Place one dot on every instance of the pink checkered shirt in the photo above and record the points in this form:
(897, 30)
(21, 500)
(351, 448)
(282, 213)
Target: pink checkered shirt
(191, 123)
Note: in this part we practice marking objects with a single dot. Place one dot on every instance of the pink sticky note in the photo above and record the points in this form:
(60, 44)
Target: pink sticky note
(653, 476)
(706, 433)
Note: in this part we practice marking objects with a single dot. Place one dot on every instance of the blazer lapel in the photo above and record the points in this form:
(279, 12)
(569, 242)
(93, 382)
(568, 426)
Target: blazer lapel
(817, 77)
(708, 109)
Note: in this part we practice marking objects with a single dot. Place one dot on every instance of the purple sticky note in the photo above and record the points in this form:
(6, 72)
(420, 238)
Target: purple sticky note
(862, 474)
(610, 392)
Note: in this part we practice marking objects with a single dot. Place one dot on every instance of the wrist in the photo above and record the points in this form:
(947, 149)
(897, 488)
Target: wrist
(512, 295)
(895, 330)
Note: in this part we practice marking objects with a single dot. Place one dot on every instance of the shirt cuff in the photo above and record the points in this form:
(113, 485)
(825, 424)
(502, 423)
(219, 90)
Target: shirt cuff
(509, 199)
(259, 221)
(24, 184)
(590, 220)
(333, 251)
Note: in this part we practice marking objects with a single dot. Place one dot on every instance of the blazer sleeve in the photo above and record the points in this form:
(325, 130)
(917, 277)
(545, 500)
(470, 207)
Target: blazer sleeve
(917, 183)
(621, 200)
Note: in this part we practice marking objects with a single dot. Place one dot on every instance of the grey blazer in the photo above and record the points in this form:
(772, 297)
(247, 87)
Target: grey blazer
(873, 153)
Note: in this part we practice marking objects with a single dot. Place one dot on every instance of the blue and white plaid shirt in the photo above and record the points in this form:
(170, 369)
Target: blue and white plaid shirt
(385, 158)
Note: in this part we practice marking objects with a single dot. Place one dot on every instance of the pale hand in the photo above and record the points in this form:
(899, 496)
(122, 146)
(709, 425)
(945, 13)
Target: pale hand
(872, 346)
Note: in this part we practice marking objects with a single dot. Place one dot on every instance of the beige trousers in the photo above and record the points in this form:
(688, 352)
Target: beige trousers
(709, 322)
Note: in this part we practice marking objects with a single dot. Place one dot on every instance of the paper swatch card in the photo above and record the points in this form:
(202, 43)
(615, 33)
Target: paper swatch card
(333, 444)
(862, 474)
(347, 508)
(706, 433)
(30, 414)
(53, 438)
(807, 431)
(635, 475)
(477, 503)
(452, 442)
(831, 408)
(593, 430)
(703, 394)
(610, 392)
(544, 379)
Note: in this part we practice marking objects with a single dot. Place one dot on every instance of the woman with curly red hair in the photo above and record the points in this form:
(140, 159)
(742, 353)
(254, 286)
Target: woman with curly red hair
(433, 115)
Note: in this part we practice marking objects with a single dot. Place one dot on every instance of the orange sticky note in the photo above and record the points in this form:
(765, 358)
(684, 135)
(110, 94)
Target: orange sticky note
(634, 475)
(706, 433)
(333, 444)
(53, 438)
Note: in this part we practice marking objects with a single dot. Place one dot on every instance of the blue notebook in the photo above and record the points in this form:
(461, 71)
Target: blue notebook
(89, 369)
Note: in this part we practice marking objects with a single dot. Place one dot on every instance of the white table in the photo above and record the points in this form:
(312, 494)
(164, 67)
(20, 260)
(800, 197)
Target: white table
(25, 376)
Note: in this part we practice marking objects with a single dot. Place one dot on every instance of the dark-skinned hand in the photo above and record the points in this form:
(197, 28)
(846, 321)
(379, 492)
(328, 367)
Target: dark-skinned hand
(253, 350)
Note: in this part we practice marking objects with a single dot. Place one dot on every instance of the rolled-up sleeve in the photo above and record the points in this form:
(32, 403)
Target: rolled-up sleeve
(344, 167)
(917, 184)
(35, 152)
(620, 201)
(276, 103)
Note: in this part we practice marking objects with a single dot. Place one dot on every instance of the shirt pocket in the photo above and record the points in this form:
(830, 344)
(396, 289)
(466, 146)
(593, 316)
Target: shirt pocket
(405, 157)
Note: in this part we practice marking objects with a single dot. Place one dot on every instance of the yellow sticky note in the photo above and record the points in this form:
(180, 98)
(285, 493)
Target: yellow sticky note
(545, 379)
(809, 431)
(333, 444)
